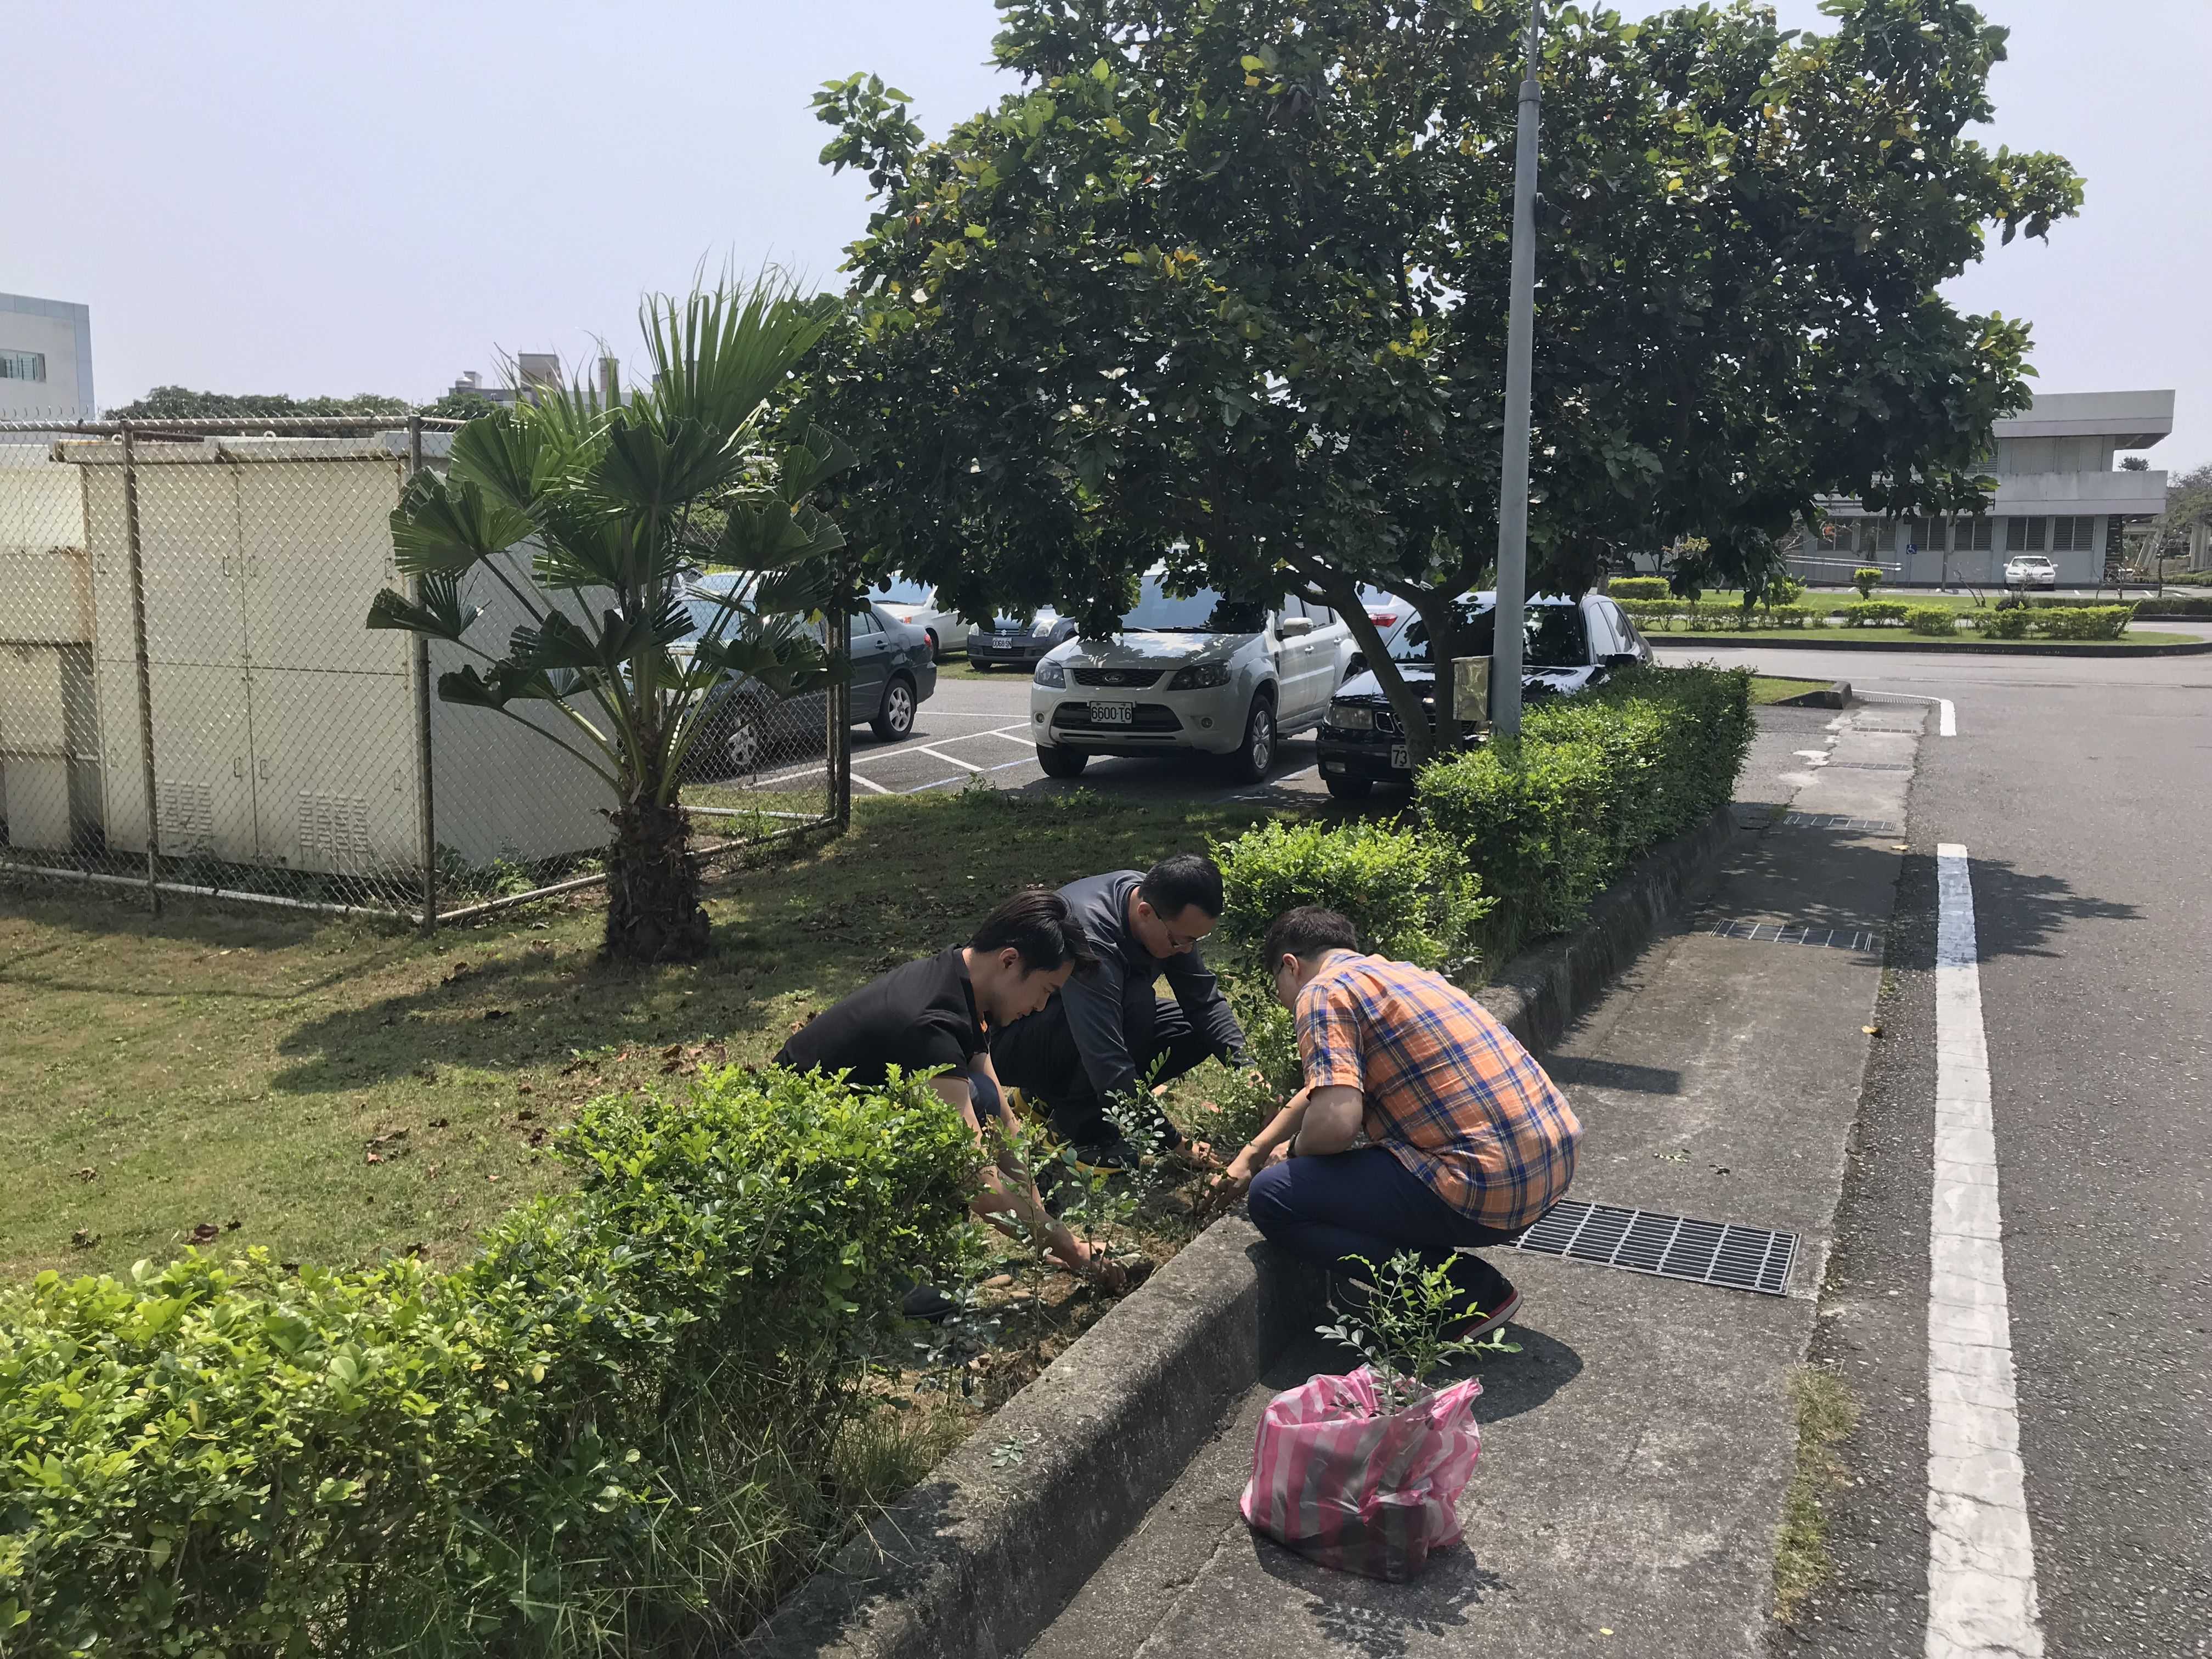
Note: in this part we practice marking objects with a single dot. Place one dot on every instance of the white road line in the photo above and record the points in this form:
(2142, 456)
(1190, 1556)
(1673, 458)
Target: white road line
(1946, 717)
(953, 760)
(959, 777)
(875, 755)
(1981, 1556)
(869, 783)
(1009, 733)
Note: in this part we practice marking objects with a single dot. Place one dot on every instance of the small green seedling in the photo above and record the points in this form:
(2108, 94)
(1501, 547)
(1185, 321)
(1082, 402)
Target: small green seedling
(1403, 1332)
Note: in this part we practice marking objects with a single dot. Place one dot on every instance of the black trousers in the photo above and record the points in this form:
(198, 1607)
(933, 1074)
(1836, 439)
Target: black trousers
(1038, 1056)
(1363, 1206)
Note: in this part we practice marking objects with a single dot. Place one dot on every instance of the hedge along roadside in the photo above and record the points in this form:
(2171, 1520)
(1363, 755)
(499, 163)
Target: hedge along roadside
(617, 1429)
(1594, 781)
(1512, 840)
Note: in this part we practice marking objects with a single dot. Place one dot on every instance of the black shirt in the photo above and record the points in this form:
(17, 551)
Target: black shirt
(920, 1017)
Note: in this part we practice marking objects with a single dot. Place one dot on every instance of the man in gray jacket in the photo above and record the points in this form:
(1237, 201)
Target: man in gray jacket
(1100, 1037)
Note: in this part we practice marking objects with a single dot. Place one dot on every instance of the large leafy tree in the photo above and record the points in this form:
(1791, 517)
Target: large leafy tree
(615, 510)
(1225, 284)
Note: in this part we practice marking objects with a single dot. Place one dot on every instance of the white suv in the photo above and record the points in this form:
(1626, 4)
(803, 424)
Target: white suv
(1224, 676)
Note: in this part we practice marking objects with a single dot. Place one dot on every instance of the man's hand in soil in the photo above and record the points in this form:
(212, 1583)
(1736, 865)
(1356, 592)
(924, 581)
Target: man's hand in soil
(1091, 1261)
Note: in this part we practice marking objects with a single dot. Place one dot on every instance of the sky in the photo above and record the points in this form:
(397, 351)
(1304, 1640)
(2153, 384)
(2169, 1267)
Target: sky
(259, 196)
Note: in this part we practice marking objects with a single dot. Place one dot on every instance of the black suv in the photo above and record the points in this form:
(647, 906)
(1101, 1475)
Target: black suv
(1571, 644)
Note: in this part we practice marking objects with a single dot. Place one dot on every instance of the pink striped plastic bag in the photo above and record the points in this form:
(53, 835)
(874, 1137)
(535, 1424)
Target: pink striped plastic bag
(1355, 1490)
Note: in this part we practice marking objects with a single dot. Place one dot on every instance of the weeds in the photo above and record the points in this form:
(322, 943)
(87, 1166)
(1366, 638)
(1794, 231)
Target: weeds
(1826, 1411)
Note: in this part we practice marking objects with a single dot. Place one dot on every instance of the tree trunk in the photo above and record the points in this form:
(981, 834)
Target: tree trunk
(653, 912)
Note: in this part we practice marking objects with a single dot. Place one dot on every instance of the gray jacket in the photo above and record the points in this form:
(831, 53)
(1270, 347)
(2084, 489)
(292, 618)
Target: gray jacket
(1097, 1001)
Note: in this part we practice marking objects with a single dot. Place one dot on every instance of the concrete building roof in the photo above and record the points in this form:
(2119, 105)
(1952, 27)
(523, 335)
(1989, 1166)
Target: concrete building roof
(2132, 420)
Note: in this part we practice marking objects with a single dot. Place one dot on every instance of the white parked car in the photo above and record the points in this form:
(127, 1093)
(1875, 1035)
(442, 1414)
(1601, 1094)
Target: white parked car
(1222, 677)
(2029, 570)
(916, 603)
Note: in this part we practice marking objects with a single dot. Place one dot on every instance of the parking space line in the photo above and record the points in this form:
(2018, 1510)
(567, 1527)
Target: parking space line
(875, 755)
(952, 760)
(1008, 734)
(961, 777)
(870, 783)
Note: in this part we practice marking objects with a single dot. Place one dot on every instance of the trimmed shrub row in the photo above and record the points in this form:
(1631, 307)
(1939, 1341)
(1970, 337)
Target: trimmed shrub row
(1511, 840)
(1637, 587)
(617, 1430)
(1694, 614)
(1936, 621)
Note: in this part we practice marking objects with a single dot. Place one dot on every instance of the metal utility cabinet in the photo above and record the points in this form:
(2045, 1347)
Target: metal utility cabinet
(284, 732)
(49, 736)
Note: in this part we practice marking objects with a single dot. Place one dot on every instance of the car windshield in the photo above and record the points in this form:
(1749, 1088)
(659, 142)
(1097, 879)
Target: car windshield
(1204, 612)
(705, 602)
(897, 590)
(1552, 636)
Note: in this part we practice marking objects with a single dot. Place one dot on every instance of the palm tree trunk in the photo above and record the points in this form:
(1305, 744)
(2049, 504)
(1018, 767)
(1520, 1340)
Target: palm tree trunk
(653, 912)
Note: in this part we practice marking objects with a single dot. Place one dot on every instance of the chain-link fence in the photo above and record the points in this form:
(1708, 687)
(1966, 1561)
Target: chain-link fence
(191, 701)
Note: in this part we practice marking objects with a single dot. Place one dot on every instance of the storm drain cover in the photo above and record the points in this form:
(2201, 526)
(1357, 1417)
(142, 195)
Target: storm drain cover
(1776, 932)
(1669, 1246)
(1869, 766)
(1837, 821)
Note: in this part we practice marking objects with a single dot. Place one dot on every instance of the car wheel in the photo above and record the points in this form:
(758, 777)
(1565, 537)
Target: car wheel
(734, 746)
(1256, 754)
(1345, 789)
(1058, 761)
(895, 720)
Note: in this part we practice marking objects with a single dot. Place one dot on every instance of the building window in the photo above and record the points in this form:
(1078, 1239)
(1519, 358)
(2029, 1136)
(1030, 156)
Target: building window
(1884, 536)
(2073, 535)
(1975, 535)
(22, 364)
(2025, 535)
(1928, 533)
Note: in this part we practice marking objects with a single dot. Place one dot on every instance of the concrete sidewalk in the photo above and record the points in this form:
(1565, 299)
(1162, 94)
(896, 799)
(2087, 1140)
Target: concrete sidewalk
(1635, 1451)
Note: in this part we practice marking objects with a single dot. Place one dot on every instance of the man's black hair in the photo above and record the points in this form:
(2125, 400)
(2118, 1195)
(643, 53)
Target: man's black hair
(1038, 922)
(1306, 932)
(1174, 884)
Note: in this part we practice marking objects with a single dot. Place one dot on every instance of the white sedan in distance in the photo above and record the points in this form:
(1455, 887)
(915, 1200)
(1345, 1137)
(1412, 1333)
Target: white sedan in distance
(2029, 570)
(916, 603)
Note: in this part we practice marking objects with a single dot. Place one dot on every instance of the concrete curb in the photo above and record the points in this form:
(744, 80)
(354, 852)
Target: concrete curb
(1837, 695)
(1537, 995)
(981, 1557)
(1765, 639)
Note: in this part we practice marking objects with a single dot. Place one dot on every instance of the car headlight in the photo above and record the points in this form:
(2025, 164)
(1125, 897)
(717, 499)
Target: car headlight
(1351, 717)
(1050, 673)
(1199, 676)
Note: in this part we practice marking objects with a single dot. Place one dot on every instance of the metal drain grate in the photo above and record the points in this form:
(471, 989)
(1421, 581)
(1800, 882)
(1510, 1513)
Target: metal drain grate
(1868, 766)
(1667, 1246)
(1775, 932)
(1837, 821)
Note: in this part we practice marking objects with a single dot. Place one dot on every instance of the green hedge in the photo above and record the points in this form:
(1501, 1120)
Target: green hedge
(1870, 613)
(1594, 781)
(2083, 622)
(2175, 605)
(615, 1431)
(2002, 625)
(1936, 621)
(1866, 579)
(1411, 896)
(1637, 587)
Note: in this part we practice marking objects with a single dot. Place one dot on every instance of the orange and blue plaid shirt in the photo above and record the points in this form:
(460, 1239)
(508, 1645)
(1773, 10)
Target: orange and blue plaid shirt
(1450, 1091)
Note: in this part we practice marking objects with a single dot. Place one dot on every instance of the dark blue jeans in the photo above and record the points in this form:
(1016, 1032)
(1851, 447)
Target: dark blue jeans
(1366, 1203)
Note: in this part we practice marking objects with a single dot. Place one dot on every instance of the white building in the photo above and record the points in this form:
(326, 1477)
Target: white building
(45, 358)
(2058, 493)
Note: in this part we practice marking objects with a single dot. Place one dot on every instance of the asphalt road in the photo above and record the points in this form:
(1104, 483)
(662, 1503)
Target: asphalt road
(2080, 789)
(972, 727)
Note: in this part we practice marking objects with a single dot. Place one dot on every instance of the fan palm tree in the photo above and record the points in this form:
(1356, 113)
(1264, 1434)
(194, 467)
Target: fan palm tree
(617, 508)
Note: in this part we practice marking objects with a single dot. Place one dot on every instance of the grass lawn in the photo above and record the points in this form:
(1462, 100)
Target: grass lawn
(1770, 688)
(1899, 638)
(335, 1089)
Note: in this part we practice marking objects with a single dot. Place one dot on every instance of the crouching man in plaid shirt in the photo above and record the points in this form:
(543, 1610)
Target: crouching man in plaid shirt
(1423, 1125)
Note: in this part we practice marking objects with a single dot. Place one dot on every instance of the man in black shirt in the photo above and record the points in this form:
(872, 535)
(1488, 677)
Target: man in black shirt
(933, 1015)
(1099, 1040)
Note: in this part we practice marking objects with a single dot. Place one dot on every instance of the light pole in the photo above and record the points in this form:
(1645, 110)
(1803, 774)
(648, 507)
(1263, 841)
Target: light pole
(1520, 341)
